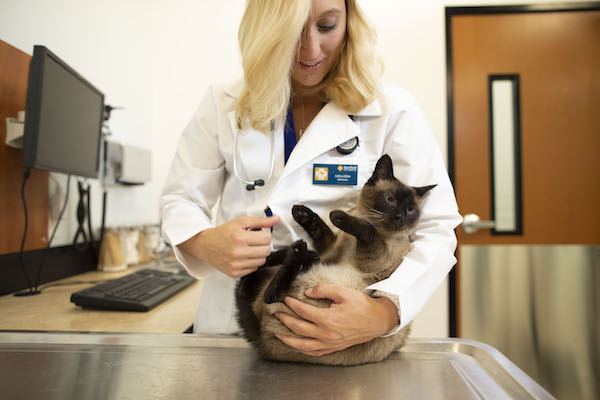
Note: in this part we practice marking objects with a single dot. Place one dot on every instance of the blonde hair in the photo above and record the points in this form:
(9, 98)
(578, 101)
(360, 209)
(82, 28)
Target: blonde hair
(269, 34)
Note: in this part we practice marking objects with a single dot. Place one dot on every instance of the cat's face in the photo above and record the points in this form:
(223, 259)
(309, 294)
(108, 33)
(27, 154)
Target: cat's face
(389, 203)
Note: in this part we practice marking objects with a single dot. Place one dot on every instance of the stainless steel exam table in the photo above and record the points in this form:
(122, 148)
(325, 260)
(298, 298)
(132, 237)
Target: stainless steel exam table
(64, 365)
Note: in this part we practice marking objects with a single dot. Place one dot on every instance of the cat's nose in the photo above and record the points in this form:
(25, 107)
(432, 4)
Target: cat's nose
(400, 217)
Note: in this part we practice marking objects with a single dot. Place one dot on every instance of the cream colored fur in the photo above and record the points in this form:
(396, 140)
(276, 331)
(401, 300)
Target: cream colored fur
(345, 275)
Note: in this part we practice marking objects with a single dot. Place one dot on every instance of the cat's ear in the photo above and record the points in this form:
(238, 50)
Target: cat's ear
(384, 170)
(423, 189)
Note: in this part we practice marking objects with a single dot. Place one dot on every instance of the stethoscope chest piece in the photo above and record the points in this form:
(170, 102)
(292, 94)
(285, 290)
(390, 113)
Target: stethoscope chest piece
(348, 146)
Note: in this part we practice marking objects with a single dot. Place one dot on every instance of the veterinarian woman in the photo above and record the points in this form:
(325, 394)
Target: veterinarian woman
(305, 125)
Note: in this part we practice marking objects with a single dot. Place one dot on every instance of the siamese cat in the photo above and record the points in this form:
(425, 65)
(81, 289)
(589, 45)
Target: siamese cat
(373, 239)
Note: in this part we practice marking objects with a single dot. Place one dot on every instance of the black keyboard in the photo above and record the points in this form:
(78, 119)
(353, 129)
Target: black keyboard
(139, 291)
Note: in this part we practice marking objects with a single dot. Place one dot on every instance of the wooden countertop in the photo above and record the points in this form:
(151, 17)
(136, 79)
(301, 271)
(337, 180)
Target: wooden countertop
(52, 310)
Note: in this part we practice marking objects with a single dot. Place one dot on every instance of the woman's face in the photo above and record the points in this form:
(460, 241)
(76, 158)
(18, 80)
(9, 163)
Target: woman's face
(321, 43)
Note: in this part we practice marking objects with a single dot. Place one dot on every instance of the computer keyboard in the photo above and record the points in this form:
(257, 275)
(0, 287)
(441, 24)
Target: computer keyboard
(139, 291)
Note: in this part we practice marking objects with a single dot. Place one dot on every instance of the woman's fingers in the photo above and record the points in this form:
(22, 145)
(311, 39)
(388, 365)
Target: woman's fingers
(236, 248)
(251, 252)
(306, 311)
(335, 293)
(300, 327)
(258, 222)
(257, 238)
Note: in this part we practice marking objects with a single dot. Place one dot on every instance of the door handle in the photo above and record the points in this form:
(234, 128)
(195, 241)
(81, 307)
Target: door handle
(472, 224)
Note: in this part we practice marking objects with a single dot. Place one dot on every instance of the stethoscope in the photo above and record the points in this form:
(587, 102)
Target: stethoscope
(345, 148)
(251, 185)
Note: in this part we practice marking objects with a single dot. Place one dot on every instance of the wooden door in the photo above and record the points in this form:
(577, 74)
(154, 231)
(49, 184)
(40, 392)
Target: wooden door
(557, 58)
(552, 57)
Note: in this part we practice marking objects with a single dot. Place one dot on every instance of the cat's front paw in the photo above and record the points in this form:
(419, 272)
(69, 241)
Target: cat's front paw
(303, 215)
(337, 217)
(300, 248)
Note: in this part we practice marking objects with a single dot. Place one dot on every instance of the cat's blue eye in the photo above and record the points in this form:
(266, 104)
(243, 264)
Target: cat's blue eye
(389, 199)
(410, 211)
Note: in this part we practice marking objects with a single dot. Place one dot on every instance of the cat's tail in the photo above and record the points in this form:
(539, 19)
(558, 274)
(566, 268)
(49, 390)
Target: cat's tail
(246, 292)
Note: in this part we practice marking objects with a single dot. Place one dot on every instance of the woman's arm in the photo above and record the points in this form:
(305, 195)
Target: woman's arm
(420, 163)
(233, 248)
(358, 317)
(194, 183)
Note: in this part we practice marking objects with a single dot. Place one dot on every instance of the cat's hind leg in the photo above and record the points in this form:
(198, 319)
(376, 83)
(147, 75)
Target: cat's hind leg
(298, 259)
(247, 290)
(275, 258)
(322, 237)
(247, 287)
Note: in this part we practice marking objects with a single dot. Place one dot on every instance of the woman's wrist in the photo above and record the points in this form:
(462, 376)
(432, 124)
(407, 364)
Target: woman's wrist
(390, 318)
(193, 246)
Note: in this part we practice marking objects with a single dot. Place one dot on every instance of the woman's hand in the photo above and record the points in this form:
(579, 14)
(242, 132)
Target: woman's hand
(233, 248)
(352, 318)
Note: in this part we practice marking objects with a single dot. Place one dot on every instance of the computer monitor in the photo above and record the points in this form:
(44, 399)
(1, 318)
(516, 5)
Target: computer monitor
(63, 119)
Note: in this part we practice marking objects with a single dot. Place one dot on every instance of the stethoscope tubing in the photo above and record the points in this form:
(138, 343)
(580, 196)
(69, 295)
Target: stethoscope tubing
(251, 185)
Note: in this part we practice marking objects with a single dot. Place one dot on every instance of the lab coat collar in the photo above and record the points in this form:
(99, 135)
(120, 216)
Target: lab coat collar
(331, 127)
(373, 109)
(234, 89)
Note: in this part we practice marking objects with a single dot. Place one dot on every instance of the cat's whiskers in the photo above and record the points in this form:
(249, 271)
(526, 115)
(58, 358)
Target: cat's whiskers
(371, 213)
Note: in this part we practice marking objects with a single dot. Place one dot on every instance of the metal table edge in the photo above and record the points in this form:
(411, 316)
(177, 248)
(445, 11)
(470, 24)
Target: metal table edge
(489, 358)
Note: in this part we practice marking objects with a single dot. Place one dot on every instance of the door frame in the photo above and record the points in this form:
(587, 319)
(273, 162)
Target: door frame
(482, 10)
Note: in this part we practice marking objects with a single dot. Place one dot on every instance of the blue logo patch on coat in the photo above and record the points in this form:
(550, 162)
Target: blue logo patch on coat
(335, 174)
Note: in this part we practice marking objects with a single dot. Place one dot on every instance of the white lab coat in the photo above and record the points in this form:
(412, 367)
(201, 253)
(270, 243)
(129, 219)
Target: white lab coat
(202, 171)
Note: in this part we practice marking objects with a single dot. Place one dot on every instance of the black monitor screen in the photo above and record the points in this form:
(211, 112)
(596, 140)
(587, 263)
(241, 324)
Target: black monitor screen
(63, 119)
